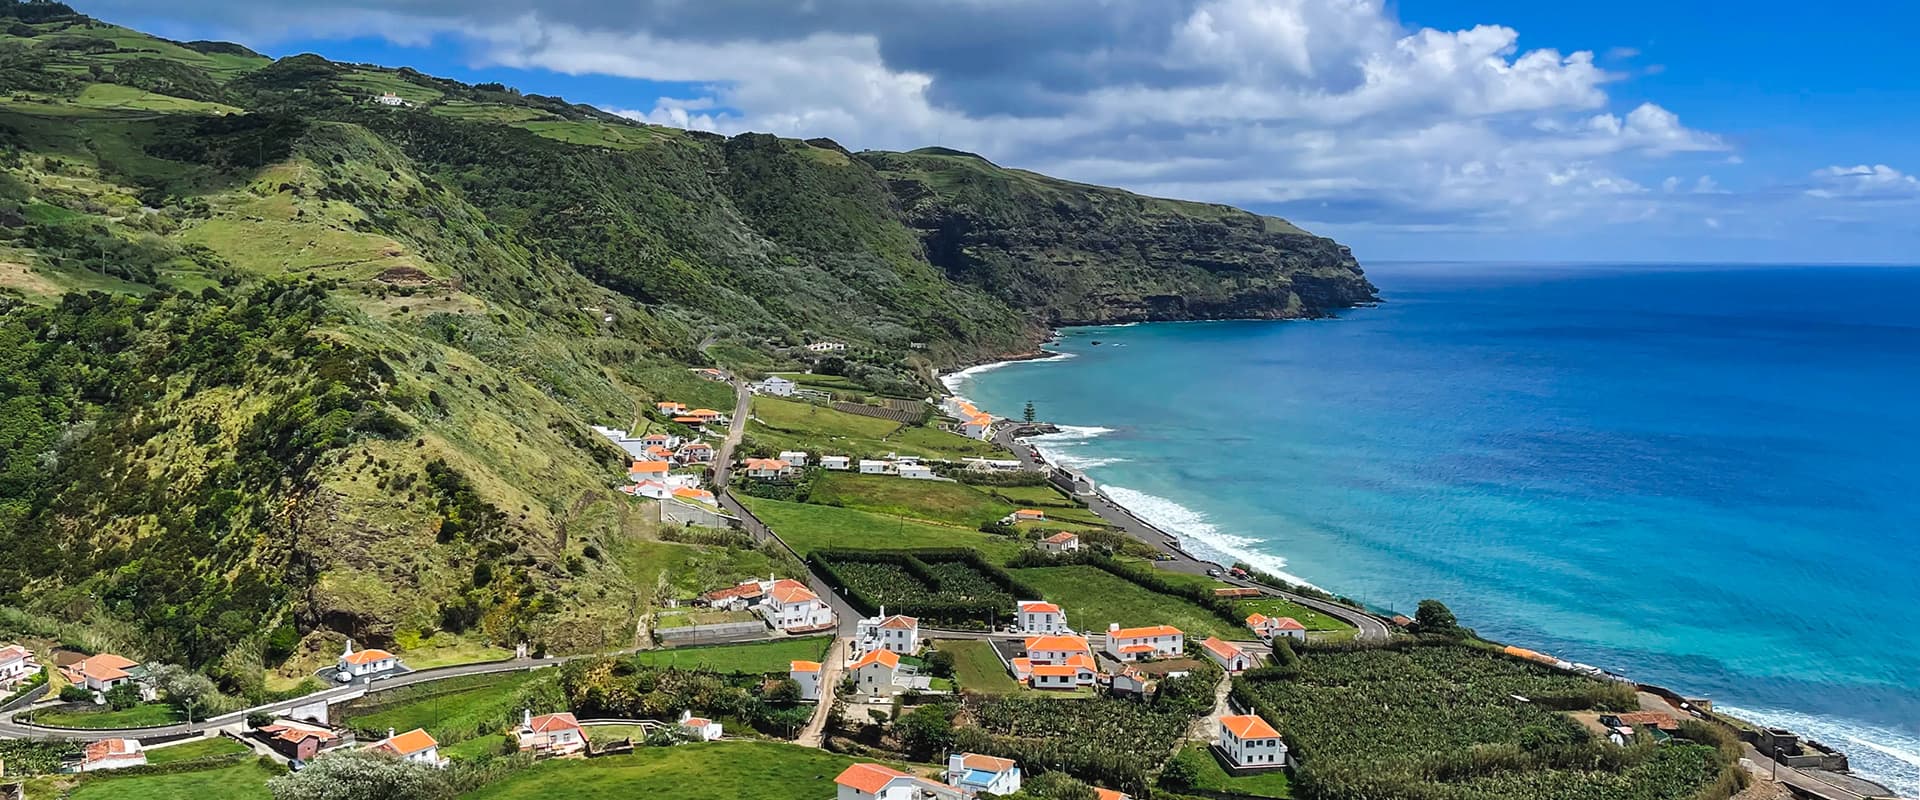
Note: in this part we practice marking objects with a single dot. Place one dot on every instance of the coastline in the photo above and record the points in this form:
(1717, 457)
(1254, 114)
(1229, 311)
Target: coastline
(1185, 540)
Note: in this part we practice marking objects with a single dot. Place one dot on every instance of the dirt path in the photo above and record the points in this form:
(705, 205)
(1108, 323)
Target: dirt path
(815, 732)
(1207, 728)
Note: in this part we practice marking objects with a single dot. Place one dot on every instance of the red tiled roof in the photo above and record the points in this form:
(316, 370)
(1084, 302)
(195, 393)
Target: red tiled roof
(899, 621)
(1060, 538)
(869, 778)
(1222, 648)
(1249, 726)
(111, 748)
(408, 743)
(1150, 630)
(988, 763)
(804, 666)
(547, 723)
(1038, 607)
(787, 590)
(104, 667)
(1654, 718)
(1056, 642)
(1137, 648)
(1289, 624)
(887, 658)
(748, 589)
(366, 656)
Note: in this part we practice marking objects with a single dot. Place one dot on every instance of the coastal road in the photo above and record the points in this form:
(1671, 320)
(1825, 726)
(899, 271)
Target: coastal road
(723, 456)
(1370, 627)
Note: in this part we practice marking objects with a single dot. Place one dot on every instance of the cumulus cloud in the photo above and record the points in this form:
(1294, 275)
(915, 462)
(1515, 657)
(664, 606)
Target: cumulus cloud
(1332, 110)
(1862, 182)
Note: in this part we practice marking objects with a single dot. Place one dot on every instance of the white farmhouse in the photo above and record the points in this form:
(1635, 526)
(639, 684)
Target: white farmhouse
(1268, 628)
(797, 458)
(16, 665)
(870, 466)
(792, 607)
(775, 386)
(1228, 656)
(972, 774)
(552, 734)
(371, 661)
(1039, 616)
(112, 754)
(916, 471)
(876, 782)
(807, 674)
(700, 728)
(1062, 542)
(837, 463)
(390, 99)
(415, 745)
(1136, 644)
(1250, 743)
(769, 468)
(877, 672)
(898, 633)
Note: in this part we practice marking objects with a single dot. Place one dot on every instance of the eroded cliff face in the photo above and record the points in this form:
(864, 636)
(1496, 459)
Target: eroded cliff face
(1075, 254)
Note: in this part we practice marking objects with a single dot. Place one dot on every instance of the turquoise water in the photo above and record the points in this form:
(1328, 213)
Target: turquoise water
(1705, 478)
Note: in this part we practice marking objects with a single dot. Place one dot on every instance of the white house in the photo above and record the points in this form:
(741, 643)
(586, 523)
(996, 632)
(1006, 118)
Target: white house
(1079, 670)
(112, 754)
(797, 458)
(776, 386)
(876, 782)
(104, 671)
(688, 494)
(737, 598)
(670, 408)
(1269, 627)
(700, 728)
(649, 471)
(552, 734)
(1153, 641)
(1039, 616)
(666, 440)
(870, 466)
(768, 468)
(1055, 649)
(1130, 680)
(371, 661)
(1024, 515)
(695, 453)
(390, 99)
(972, 774)
(977, 426)
(833, 462)
(877, 672)
(1224, 653)
(807, 674)
(1250, 743)
(792, 607)
(915, 471)
(16, 665)
(827, 347)
(415, 745)
(900, 634)
(1062, 542)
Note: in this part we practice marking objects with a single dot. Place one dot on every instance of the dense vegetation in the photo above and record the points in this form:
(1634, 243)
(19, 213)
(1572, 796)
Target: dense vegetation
(608, 688)
(952, 587)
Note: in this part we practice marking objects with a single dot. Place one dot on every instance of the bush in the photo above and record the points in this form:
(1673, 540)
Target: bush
(75, 694)
(124, 696)
(954, 587)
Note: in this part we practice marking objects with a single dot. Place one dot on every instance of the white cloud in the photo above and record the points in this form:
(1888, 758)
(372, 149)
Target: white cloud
(1862, 182)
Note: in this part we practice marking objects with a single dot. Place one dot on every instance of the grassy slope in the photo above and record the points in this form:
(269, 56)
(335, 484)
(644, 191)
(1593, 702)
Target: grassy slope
(1214, 778)
(205, 748)
(761, 770)
(755, 658)
(977, 669)
(245, 781)
(453, 710)
(790, 425)
(810, 527)
(934, 501)
(145, 715)
(1093, 598)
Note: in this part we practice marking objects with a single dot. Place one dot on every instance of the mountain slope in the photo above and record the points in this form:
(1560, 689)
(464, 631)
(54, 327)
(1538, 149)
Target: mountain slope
(283, 363)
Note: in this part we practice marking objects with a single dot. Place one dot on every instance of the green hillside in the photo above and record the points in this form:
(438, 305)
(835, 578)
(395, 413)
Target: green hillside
(280, 363)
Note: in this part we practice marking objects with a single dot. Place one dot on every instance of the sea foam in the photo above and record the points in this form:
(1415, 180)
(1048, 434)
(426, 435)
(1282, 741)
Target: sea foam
(1197, 534)
(1890, 757)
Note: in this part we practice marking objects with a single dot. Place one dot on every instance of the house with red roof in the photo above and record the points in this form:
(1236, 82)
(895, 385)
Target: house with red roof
(768, 468)
(360, 664)
(104, 671)
(108, 754)
(1268, 628)
(877, 782)
(1039, 616)
(670, 408)
(17, 664)
(877, 672)
(792, 607)
(1249, 743)
(1139, 644)
(1077, 671)
(807, 675)
(972, 774)
(1060, 543)
(735, 598)
(415, 745)
(898, 633)
(700, 728)
(695, 453)
(551, 734)
(301, 741)
(1229, 656)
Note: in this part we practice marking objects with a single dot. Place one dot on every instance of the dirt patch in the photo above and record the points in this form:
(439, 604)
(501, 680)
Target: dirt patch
(405, 276)
(23, 279)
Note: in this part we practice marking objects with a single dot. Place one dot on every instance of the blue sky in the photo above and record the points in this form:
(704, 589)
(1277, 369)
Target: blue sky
(1430, 129)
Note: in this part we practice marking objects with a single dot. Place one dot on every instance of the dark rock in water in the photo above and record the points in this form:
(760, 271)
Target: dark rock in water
(1096, 341)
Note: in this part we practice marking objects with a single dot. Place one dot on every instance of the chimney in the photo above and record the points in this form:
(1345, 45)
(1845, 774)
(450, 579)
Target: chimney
(390, 733)
(349, 650)
(1113, 626)
(526, 717)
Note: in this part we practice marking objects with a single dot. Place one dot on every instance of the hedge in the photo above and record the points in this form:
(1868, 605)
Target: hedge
(915, 564)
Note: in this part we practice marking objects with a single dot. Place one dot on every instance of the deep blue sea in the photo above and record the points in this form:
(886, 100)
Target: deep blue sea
(1707, 478)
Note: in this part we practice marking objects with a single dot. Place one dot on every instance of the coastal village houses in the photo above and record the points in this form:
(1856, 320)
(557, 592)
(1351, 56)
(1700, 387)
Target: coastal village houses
(1059, 543)
(1138, 644)
(877, 672)
(877, 782)
(415, 745)
(972, 774)
(700, 729)
(1039, 616)
(371, 661)
(807, 675)
(775, 386)
(1267, 628)
(1229, 657)
(1249, 742)
(16, 666)
(900, 634)
(551, 734)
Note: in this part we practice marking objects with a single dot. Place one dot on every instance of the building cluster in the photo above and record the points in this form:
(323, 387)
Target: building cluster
(972, 422)
(657, 455)
(17, 666)
(967, 775)
(786, 604)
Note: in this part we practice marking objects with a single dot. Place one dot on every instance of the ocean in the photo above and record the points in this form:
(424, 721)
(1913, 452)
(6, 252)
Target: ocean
(1706, 478)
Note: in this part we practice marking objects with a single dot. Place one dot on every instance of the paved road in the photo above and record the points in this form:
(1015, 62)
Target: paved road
(10, 729)
(1371, 628)
(723, 455)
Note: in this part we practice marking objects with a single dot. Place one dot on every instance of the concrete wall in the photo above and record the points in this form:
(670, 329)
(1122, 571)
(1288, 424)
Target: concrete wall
(717, 632)
(690, 514)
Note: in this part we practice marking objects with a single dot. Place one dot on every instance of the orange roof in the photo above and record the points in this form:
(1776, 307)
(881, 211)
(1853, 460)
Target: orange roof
(688, 419)
(408, 743)
(748, 589)
(13, 651)
(1222, 648)
(1137, 648)
(988, 763)
(1107, 794)
(646, 467)
(1150, 630)
(1030, 513)
(703, 412)
(366, 656)
(291, 732)
(1657, 719)
(546, 723)
(1081, 660)
(658, 452)
(788, 590)
(105, 667)
(696, 446)
(804, 666)
(696, 722)
(1289, 624)
(1249, 726)
(1060, 538)
(766, 463)
(886, 658)
(1056, 670)
(111, 748)
(1056, 642)
(1521, 652)
(656, 437)
(1256, 619)
(697, 494)
(868, 778)
(900, 621)
(664, 405)
(1038, 607)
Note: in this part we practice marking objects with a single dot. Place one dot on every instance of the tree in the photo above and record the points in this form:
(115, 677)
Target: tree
(783, 692)
(927, 730)
(940, 663)
(1283, 655)
(124, 696)
(1181, 772)
(182, 687)
(1435, 618)
(71, 693)
(1027, 413)
(1057, 786)
(360, 775)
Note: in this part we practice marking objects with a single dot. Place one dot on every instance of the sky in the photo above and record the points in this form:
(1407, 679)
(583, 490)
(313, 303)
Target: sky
(1423, 130)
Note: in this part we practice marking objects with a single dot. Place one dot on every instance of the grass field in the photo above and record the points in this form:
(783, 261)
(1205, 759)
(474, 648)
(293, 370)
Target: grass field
(244, 781)
(819, 421)
(792, 425)
(754, 658)
(807, 528)
(711, 771)
(600, 134)
(684, 617)
(205, 748)
(1277, 607)
(116, 97)
(934, 501)
(1048, 499)
(1093, 597)
(976, 667)
(473, 749)
(453, 710)
(1214, 778)
(145, 715)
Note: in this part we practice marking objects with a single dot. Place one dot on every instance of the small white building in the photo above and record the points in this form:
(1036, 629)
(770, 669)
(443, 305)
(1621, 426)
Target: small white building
(872, 466)
(111, 754)
(972, 774)
(415, 745)
(1250, 743)
(876, 782)
(827, 347)
(768, 468)
(1039, 616)
(640, 471)
(1062, 542)
(371, 661)
(797, 458)
(1056, 649)
(695, 453)
(877, 672)
(837, 463)
(1136, 644)
(670, 408)
(775, 386)
(700, 728)
(551, 734)
(1268, 628)
(16, 665)
(1078, 670)
(792, 607)
(915, 471)
(390, 99)
(1024, 515)
(807, 674)
(978, 426)
(104, 671)
(898, 633)
(1228, 656)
